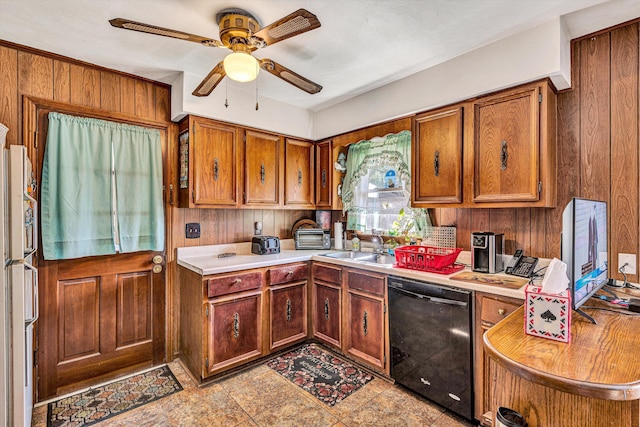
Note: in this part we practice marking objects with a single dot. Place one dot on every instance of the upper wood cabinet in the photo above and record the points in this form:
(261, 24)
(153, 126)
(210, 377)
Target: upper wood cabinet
(299, 174)
(497, 150)
(262, 170)
(514, 156)
(208, 168)
(436, 173)
(324, 175)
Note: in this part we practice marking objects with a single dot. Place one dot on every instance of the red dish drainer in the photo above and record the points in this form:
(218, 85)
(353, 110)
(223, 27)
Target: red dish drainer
(428, 258)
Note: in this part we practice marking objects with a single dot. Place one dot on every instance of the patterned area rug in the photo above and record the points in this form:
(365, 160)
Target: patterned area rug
(319, 372)
(100, 403)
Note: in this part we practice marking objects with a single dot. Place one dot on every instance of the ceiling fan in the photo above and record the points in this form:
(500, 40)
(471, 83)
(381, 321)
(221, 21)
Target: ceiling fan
(240, 31)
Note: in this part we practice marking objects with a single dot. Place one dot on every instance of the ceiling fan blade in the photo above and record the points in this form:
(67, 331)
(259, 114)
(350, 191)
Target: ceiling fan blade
(152, 29)
(289, 76)
(211, 81)
(291, 25)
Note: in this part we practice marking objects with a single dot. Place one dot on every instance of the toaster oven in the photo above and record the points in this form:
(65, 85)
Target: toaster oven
(312, 238)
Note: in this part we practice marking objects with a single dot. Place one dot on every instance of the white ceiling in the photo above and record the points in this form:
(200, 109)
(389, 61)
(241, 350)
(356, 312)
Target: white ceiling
(361, 45)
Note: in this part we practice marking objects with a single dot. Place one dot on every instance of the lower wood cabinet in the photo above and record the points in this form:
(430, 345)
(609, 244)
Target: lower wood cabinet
(234, 333)
(287, 305)
(327, 304)
(366, 318)
(358, 327)
(490, 309)
(227, 320)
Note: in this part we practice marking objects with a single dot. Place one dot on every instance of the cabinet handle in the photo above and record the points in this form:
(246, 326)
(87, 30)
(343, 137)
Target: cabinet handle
(236, 325)
(365, 322)
(288, 310)
(501, 311)
(171, 194)
(324, 178)
(299, 177)
(289, 273)
(326, 309)
(262, 173)
(436, 163)
(215, 169)
(504, 155)
(236, 282)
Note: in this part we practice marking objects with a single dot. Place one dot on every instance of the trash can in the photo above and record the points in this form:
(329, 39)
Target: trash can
(509, 418)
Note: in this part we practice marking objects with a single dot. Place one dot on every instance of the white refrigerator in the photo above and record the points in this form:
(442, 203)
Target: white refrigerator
(18, 285)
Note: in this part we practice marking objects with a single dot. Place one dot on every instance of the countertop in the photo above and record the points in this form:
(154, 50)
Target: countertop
(204, 261)
(600, 362)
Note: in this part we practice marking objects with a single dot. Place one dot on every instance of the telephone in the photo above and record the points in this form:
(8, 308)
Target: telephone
(521, 265)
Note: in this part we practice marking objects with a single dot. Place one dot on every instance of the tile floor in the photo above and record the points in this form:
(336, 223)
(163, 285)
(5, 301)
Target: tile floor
(261, 397)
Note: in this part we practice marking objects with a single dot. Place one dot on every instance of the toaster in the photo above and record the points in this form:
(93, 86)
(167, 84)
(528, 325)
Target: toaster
(312, 238)
(265, 245)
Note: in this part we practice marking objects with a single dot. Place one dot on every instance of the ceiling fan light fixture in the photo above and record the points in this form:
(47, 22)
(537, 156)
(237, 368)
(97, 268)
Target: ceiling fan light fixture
(241, 67)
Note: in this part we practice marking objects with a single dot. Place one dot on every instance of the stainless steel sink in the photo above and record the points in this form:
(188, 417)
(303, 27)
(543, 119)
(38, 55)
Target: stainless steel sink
(366, 257)
(350, 255)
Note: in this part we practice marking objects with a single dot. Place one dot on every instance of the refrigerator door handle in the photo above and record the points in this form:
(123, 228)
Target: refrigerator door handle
(35, 306)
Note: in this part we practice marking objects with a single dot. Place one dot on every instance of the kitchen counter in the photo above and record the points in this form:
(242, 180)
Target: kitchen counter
(204, 261)
(586, 382)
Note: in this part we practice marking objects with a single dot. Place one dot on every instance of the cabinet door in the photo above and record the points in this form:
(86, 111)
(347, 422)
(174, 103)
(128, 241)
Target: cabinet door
(214, 164)
(288, 313)
(324, 172)
(327, 301)
(490, 309)
(366, 333)
(234, 330)
(507, 146)
(437, 154)
(261, 169)
(299, 174)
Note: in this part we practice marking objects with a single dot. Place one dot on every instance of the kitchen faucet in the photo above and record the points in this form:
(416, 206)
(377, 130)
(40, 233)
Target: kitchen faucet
(377, 240)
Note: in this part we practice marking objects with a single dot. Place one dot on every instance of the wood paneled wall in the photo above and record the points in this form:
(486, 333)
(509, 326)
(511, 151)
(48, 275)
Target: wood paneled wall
(598, 154)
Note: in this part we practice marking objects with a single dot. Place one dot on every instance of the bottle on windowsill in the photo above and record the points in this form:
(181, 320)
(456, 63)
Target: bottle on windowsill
(355, 244)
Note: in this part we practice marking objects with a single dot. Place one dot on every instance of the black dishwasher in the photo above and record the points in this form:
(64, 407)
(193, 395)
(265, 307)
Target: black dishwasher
(431, 342)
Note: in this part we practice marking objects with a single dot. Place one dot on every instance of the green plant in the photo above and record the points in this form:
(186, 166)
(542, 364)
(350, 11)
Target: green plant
(403, 225)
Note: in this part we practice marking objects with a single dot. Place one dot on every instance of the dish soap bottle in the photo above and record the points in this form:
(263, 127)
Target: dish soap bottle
(355, 244)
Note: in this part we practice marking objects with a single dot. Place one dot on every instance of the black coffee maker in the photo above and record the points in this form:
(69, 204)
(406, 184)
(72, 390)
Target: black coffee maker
(487, 252)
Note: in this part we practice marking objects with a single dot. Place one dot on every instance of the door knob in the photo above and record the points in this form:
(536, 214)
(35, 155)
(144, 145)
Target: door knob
(157, 268)
(157, 259)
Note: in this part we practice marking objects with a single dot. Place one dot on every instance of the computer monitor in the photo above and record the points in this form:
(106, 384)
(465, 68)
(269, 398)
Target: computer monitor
(585, 249)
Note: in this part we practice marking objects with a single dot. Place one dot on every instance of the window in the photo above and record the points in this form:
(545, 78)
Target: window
(377, 187)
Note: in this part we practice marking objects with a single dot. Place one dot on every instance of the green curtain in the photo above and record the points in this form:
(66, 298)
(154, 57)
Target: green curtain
(138, 166)
(392, 151)
(78, 197)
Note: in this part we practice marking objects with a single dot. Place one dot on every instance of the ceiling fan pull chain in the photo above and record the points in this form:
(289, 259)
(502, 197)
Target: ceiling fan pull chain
(256, 94)
(226, 95)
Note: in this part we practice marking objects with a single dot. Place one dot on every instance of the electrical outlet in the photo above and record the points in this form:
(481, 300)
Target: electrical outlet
(193, 230)
(627, 259)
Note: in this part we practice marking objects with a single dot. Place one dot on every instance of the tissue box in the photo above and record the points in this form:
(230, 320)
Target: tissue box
(547, 315)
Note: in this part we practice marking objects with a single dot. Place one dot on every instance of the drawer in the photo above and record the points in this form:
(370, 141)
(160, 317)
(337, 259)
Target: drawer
(494, 310)
(359, 280)
(327, 273)
(288, 273)
(225, 285)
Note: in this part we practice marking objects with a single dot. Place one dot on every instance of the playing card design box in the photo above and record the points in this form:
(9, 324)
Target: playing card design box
(547, 315)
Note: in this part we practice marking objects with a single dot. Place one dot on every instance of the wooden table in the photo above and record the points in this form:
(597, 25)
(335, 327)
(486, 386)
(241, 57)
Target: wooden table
(592, 381)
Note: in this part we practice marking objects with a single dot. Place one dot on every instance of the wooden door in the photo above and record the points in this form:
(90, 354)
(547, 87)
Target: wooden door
(324, 173)
(299, 174)
(234, 330)
(100, 317)
(327, 303)
(262, 169)
(214, 163)
(507, 146)
(288, 313)
(366, 320)
(437, 154)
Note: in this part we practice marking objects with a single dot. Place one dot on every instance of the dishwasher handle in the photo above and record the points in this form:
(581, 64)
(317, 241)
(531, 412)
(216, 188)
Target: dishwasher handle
(430, 298)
